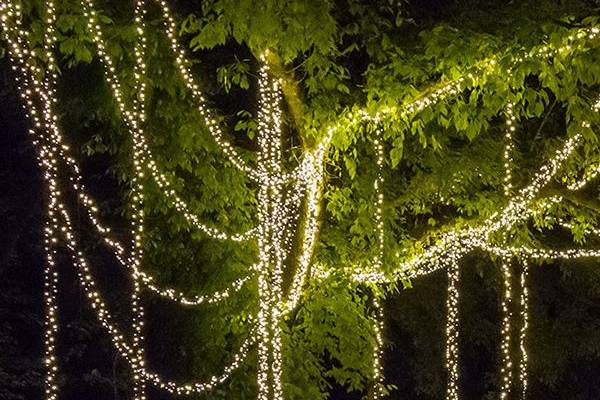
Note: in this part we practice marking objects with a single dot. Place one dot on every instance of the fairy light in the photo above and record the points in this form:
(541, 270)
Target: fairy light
(378, 377)
(311, 225)
(569, 225)
(18, 52)
(378, 323)
(183, 68)
(509, 147)
(483, 70)
(137, 226)
(452, 329)
(208, 385)
(506, 371)
(524, 303)
(378, 189)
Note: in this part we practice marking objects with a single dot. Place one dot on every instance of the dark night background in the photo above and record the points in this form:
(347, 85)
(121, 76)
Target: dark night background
(564, 337)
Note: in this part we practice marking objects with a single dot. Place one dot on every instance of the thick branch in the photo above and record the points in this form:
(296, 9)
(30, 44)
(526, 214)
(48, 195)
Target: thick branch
(577, 197)
(291, 90)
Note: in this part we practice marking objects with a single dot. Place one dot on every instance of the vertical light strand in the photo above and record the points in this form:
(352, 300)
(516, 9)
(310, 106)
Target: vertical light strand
(506, 370)
(265, 296)
(378, 324)
(277, 230)
(27, 85)
(134, 119)
(523, 363)
(509, 148)
(50, 274)
(452, 325)
(137, 228)
(271, 256)
(314, 176)
(378, 327)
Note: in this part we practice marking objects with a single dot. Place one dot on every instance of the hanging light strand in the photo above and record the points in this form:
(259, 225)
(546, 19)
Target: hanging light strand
(18, 51)
(506, 370)
(209, 119)
(378, 324)
(524, 305)
(509, 148)
(452, 329)
(378, 327)
(135, 122)
(89, 205)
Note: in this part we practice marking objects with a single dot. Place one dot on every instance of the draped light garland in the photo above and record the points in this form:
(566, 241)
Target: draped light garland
(279, 194)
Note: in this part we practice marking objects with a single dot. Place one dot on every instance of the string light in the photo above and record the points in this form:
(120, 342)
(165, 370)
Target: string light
(17, 52)
(484, 69)
(378, 324)
(524, 303)
(509, 148)
(313, 194)
(506, 371)
(452, 329)
(378, 377)
(47, 157)
(188, 79)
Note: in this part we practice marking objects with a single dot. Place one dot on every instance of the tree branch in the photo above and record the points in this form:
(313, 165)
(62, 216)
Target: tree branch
(544, 121)
(291, 90)
(577, 197)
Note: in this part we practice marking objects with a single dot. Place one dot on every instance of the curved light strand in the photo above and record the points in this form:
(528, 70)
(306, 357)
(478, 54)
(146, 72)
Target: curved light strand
(134, 121)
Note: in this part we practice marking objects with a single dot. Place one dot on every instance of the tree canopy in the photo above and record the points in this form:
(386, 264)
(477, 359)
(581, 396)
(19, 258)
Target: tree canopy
(438, 79)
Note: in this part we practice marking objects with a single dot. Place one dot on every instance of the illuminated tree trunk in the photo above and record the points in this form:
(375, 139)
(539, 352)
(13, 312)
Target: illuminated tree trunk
(270, 239)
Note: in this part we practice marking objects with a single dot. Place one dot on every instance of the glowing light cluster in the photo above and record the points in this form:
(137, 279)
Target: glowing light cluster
(313, 197)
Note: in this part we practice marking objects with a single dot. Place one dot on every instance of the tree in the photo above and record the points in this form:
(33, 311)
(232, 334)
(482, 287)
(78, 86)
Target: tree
(414, 102)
